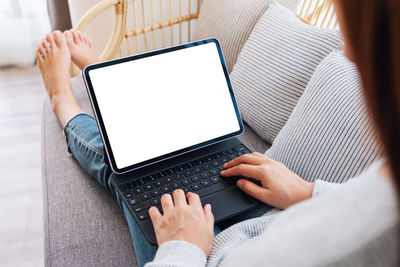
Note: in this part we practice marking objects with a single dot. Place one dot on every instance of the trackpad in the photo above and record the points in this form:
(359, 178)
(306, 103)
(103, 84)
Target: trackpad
(228, 203)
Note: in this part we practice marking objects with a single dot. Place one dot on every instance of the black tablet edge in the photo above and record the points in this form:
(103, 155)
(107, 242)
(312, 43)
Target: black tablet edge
(102, 128)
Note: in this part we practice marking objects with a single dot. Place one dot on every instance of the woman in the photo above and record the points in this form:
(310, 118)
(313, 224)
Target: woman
(354, 224)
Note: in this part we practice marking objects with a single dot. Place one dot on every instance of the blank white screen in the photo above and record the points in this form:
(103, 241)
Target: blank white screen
(164, 103)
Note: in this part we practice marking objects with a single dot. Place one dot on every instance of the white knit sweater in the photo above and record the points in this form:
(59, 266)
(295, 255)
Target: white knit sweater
(352, 224)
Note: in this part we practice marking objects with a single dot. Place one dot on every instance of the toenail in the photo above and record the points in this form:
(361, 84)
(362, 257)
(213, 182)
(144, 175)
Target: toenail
(58, 34)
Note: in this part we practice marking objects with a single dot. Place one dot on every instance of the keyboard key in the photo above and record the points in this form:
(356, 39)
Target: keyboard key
(170, 172)
(168, 180)
(185, 181)
(157, 183)
(186, 189)
(206, 166)
(180, 168)
(196, 187)
(208, 159)
(206, 183)
(214, 172)
(152, 178)
(141, 181)
(216, 163)
(224, 160)
(148, 187)
(189, 165)
(221, 168)
(205, 175)
(138, 190)
(142, 216)
(210, 189)
(197, 169)
(196, 178)
(128, 194)
(166, 189)
(199, 161)
(133, 201)
(179, 176)
(161, 175)
(155, 201)
(141, 206)
(145, 196)
(215, 179)
(156, 192)
(176, 185)
(231, 157)
(230, 151)
(188, 173)
(122, 188)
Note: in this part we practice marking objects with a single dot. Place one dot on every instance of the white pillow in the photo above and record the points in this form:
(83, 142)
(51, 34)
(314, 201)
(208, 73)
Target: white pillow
(329, 135)
(274, 67)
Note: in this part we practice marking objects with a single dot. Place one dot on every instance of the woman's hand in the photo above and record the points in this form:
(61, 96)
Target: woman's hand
(280, 188)
(184, 220)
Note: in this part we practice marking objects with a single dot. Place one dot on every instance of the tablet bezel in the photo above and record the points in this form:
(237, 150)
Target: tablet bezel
(102, 127)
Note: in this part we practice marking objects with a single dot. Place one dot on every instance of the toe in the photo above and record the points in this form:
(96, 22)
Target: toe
(68, 37)
(59, 38)
(39, 57)
(80, 35)
(76, 36)
(42, 51)
(50, 39)
(43, 47)
(83, 37)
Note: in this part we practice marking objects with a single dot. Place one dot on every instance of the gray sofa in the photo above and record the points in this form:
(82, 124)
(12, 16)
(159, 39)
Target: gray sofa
(83, 224)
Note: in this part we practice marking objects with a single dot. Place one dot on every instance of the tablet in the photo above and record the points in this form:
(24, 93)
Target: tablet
(161, 104)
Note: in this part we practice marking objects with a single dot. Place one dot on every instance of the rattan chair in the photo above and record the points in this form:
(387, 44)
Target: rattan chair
(142, 25)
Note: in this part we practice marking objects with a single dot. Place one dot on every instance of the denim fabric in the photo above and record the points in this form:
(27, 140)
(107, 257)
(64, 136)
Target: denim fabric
(86, 146)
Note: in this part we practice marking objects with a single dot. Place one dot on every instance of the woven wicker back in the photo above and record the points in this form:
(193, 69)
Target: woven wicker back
(318, 13)
(143, 25)
(153, 24)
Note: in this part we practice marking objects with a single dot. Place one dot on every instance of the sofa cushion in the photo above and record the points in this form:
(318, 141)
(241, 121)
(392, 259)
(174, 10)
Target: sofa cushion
(275, 65)
(231, 22)
(329, 135)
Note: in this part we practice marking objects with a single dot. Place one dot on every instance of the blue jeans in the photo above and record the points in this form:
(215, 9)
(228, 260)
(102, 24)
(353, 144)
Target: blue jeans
(85, 144)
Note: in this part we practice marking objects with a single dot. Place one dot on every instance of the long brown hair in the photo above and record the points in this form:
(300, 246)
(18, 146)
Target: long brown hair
(372, 31)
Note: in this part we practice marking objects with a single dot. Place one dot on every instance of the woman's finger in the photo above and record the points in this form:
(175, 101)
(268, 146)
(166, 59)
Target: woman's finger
(193, 200)
(244, 159)
(258, 192)
(179, 198)
(245, 170)
(166, 202)
(155, 216)
(209, 216)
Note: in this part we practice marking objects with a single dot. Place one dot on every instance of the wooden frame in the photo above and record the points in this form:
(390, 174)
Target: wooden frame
(314, 12)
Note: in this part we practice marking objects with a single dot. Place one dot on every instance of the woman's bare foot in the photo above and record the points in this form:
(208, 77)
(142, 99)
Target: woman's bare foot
(54, 60)
(81, 48)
